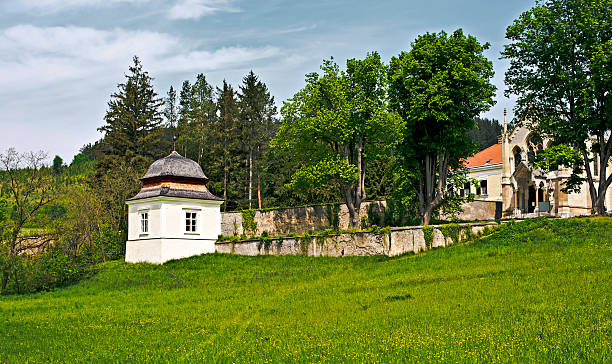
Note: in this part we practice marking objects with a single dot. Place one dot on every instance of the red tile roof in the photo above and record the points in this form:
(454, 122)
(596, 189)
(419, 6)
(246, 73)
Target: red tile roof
(491, 155)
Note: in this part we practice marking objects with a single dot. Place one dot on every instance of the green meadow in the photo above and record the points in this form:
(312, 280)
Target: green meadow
(535, 291)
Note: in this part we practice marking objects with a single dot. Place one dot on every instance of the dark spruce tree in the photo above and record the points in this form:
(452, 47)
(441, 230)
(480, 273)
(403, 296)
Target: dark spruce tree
(202, 115)
(257, 110)
(226, 148)
(132, 129)
(170, 109)
(485, 135)
(184, 110)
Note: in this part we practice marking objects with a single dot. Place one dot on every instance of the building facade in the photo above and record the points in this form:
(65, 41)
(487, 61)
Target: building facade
(504, 173)
(174, 215)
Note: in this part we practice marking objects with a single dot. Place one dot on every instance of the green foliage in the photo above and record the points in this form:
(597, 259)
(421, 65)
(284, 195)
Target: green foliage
(373, 215)
(132, 129)
(305, 241)
(486, 133)
(563, 155)
(464, 303)
(333, 209)
(454, 231)
(560, 54)
(336, 123)
(428, 234)
(439, 87)
(58, 165)
(249, 225)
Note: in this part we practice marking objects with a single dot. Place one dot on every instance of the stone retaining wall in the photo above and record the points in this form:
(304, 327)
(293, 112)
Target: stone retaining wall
(299, 220)
(391, 243)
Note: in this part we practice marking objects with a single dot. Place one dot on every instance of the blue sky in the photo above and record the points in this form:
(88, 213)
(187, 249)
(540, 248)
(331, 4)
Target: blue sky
(61, 59)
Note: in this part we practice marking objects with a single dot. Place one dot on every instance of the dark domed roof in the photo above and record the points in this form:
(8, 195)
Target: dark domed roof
(175, 165)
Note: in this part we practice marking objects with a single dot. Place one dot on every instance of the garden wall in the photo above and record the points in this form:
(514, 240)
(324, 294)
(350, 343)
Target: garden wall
(390, 242)
(297, 220)
(480, 210)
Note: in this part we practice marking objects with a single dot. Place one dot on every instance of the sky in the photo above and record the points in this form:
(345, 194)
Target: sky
(60, 60)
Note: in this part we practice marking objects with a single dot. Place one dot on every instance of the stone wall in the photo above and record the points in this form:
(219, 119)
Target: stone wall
(394, 242)
(481, 210)
(299, 220)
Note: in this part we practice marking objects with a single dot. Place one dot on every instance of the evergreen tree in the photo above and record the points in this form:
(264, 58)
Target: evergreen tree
(257, 112)
(170, 111)
(58, 164)
(226, 145)
(485, 135)
(202, 113)
(183, 116)
(133, 132)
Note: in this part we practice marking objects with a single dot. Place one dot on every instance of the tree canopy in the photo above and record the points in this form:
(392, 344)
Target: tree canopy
(132, 128)
(438, 87)
(560, 56)
(335, 124)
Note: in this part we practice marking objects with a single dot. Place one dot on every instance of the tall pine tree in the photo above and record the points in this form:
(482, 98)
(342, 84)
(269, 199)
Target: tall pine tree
(257, 112)
(226, 145)
(133, 132)
(202, 113)
(184, 111)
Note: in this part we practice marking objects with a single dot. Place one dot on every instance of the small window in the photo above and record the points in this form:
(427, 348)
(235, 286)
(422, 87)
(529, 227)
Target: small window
(465, 190)
(144, 222)
(190, 222)
(483, 187)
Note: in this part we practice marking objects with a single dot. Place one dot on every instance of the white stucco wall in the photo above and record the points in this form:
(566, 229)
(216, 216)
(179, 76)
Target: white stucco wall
(492, 174)
(167, 238)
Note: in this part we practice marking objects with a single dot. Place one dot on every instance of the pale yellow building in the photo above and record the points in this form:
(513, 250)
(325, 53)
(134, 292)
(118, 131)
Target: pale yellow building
(504, 173)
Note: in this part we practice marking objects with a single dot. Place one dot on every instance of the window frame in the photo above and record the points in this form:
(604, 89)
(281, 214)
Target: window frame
(191, 224)
(484, 189)
(143, 222)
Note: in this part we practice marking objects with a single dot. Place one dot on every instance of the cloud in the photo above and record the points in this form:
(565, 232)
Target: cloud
(59, 5)
(33, 57)
(194, 9)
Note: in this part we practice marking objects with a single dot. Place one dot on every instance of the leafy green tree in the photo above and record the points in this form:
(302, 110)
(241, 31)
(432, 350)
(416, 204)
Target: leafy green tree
(133, 132)
(560, 67)
(334, 124)
(438, 88)
(31, 188)
(257, 110)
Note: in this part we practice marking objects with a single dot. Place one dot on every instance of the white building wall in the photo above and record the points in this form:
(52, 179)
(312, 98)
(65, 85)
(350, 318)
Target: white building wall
(167, 237)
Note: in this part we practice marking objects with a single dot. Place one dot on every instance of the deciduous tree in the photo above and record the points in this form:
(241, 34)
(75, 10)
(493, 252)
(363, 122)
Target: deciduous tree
(30, 188)
(335, 123)
(560, 56)
(438, 87)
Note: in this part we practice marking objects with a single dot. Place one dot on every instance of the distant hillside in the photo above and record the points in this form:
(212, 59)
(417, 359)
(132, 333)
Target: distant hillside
(486, 134)
(535, 291)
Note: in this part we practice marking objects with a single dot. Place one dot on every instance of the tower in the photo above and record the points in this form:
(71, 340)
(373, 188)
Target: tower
(507, 191)
(174, 215)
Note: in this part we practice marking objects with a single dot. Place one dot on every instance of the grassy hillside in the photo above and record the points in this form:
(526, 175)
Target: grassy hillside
(534, 291)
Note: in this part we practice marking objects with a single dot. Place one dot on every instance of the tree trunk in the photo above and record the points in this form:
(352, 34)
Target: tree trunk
(258, 182)
(250, 177)
(426, 216)
(5, 278)
(225, 186)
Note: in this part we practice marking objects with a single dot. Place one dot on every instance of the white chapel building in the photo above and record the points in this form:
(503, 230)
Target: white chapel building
(174, 215)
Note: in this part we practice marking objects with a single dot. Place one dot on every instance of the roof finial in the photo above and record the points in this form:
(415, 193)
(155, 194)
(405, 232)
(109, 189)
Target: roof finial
(174, 143)
(505, 123)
